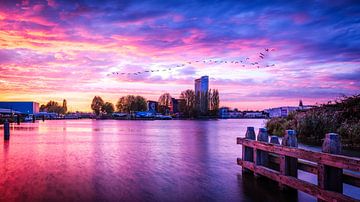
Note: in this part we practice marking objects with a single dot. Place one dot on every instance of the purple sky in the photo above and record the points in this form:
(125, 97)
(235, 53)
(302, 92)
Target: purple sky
(51, 50)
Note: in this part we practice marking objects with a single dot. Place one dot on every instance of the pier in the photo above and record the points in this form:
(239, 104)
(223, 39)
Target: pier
(282, 162)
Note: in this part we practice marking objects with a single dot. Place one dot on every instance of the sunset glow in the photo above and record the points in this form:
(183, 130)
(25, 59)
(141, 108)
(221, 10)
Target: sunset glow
(54, 50)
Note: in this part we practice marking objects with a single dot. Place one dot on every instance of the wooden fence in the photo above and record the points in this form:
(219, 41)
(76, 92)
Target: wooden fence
(282, 162)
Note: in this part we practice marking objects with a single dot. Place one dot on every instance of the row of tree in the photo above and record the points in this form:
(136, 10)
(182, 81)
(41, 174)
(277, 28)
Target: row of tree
(54, 107)
(189, 105)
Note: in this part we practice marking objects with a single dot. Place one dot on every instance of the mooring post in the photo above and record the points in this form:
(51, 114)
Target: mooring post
(18, 119)
(6, 130)
(33, 118)
(248, 152)
(43, 118)
(262, 157)
(330, 178)
(288, 165)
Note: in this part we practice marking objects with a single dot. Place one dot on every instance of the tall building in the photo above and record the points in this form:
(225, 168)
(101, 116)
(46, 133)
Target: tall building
(201, 90)
(201, 84)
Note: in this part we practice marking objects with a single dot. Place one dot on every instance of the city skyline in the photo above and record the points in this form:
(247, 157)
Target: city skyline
(54, 50)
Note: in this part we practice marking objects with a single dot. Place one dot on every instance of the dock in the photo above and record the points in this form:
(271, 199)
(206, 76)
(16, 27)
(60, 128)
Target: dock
(264, 156)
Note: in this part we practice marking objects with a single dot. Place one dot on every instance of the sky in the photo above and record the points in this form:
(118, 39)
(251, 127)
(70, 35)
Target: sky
(74, 50)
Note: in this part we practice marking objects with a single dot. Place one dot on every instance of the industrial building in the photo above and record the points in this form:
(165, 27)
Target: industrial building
(20, 107)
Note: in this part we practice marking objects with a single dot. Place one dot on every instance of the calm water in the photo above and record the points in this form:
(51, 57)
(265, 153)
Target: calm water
(89, 160)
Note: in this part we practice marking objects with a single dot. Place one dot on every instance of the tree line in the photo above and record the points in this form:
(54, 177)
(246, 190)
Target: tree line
(188, 104)
(54, 107)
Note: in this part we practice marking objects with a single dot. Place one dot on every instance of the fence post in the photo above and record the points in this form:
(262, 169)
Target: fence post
(6, 130)
(18, 119)
(288, 165)
(330, 178)
(248, 152)
(262, 157)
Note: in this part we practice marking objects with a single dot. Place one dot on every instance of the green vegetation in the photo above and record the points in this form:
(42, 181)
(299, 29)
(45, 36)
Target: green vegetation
(131, 103)
(97, 104)
(342, 117)
(107, 108)
(54, 107)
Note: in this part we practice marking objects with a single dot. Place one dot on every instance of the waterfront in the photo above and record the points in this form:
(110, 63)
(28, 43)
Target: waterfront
(109, 160)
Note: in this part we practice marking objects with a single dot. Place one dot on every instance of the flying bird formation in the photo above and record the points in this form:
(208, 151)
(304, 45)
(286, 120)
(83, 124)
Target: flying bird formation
(243, 63)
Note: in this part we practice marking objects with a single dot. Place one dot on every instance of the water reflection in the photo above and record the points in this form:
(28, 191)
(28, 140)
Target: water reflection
(89, 160)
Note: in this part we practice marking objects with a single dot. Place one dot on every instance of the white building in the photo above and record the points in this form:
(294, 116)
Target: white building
(280, 111)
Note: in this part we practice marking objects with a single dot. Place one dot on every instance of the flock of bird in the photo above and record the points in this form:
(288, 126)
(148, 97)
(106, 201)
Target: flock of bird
(244, 63)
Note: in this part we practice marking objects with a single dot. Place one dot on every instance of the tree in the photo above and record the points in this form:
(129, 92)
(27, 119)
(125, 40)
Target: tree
(165, 102)
(53, 107)
(107, 108)
(214, 101)
(97, 104)
(64, 106)
(187, 103)
(42, 108)
(131, 103)
(140, 103)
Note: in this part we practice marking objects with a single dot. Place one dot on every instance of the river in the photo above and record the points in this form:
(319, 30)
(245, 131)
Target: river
(110, 160)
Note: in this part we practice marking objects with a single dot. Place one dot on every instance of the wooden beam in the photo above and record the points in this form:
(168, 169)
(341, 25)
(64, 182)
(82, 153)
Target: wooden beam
(296, 183)
(348, 177)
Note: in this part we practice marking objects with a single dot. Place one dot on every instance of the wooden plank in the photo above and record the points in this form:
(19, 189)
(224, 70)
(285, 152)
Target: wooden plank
(296, 183)
(344, 162)
(307, 167)
(348, 177)
(351, 179)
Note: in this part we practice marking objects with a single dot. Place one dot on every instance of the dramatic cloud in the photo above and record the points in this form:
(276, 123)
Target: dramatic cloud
(54, 49)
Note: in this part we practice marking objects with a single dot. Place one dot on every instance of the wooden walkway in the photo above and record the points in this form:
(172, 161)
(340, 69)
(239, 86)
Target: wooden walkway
(282, 162)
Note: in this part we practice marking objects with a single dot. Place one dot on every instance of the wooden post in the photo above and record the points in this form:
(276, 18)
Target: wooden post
(6, 130)
(330, 178)
(288, 165)
(274, 139)
(18, 119)
(43, 118)
(33, 118)
(248, 152)
(262, 156)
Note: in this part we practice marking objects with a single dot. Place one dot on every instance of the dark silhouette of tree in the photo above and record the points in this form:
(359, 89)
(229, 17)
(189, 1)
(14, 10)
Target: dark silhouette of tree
(214, 102)
(107, 108)
(131, 103)
(165, 103)
(187, 103)
(53, 107)
(96, 105)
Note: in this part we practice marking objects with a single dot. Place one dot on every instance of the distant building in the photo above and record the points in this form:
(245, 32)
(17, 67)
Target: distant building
(254, 115)
(280, 111)
(226, 113)
(201, 90)
(21, 107)
(152, 106)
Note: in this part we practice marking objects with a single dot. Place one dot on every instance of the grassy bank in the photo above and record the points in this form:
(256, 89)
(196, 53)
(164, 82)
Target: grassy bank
(342, 117)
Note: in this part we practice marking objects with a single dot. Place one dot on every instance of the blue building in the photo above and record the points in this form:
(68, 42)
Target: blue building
(22, 107)
(201, 89)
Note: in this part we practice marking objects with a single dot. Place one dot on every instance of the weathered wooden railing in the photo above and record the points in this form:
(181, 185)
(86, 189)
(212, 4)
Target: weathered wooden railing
(282, 162)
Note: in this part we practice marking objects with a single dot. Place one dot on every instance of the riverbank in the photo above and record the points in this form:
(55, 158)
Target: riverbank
(342, 117)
